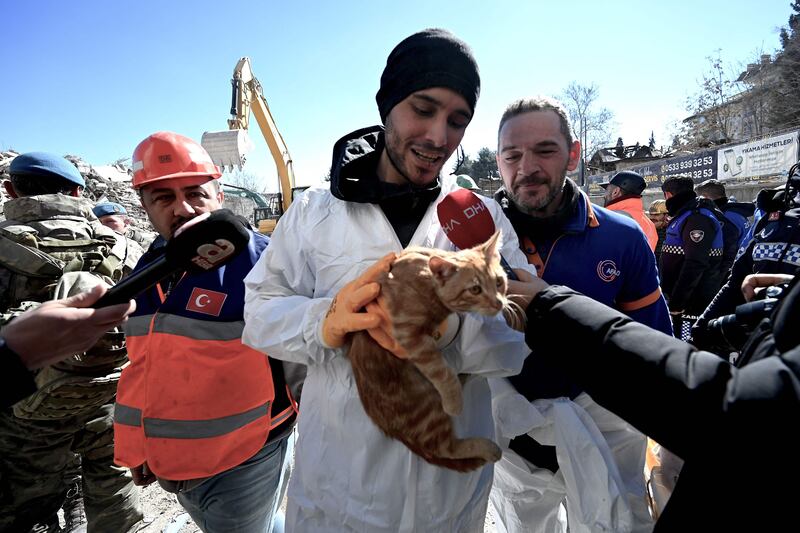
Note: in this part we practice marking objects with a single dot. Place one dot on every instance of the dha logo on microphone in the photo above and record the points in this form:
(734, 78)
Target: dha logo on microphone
(469, 213)
(210, 255)
(475, 209)
(607, 270)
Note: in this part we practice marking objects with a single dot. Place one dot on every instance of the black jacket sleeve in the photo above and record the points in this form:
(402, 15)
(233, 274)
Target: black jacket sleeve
(730, 295)
(16, 382)
(696, 259)
(687, 400)
(726, 300)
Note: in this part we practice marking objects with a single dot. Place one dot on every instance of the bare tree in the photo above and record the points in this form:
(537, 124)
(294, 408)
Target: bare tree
(590, 126)
(733, 102)
(246, 180)
(463, 164)
(713, 114)
(784, 108)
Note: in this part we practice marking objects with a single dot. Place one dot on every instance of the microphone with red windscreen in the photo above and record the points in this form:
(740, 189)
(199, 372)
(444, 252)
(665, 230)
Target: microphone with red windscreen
(467, 222)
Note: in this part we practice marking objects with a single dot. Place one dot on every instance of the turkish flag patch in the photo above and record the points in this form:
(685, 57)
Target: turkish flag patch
(206, 301)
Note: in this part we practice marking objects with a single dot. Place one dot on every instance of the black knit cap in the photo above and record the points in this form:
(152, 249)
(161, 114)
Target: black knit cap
(430, 58)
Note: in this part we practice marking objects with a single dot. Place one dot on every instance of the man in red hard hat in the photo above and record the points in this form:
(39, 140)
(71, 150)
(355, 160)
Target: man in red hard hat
(206, 416)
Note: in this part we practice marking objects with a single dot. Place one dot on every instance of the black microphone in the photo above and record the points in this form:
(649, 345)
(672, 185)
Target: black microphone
(203, 243)
(466, 221)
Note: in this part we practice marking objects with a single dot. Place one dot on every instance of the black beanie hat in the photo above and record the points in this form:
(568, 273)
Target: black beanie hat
(430, 58)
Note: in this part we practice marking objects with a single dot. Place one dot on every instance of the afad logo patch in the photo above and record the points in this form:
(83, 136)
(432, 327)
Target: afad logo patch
(607, 270)
(697, 235)
(206, 301)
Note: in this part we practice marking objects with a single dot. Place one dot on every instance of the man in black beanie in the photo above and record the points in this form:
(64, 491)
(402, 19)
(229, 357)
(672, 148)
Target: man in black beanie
(303, 297)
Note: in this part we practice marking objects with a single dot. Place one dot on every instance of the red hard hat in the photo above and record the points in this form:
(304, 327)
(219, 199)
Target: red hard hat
(165, 155)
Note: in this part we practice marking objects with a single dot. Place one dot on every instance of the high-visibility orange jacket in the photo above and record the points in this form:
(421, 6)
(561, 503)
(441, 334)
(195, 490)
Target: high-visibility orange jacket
(632, 206)
(194, 400)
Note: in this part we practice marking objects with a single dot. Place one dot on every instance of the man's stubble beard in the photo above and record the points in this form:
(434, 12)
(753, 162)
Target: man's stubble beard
(394, 154)
(538, 210)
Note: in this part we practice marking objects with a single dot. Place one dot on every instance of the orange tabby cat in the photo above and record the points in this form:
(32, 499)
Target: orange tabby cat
(412, 399)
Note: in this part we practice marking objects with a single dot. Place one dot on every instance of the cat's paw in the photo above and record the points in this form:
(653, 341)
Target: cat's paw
(492, 453)
(453, 405)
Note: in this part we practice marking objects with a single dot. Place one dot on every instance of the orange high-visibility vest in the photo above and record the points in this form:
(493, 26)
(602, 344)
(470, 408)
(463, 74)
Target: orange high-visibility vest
(194, 420)
(633, 207)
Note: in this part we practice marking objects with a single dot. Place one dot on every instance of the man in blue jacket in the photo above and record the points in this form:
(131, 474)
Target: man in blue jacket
(739, 214)
(606, 256)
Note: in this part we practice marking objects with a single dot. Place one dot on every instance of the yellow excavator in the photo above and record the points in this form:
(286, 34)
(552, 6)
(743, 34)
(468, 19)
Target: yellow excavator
(228, 148)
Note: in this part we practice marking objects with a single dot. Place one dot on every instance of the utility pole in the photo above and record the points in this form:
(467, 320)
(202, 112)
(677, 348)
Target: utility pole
(583, 151)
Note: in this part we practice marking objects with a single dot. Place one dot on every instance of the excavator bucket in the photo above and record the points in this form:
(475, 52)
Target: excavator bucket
(227, 148)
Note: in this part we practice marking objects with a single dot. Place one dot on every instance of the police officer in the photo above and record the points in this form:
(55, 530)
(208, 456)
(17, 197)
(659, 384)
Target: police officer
(52, 245)
(691, 267)
(774, 249)
(739, 214)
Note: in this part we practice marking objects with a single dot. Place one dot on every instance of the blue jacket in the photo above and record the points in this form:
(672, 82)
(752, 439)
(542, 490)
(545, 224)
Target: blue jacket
(739, 215)
(774, 249)
(606, 257)
(603, 255)
(693, 256)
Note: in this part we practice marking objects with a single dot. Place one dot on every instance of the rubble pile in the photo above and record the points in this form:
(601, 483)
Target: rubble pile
(103, 183)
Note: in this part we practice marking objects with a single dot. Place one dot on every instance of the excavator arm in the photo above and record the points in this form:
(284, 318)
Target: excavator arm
(228, 148)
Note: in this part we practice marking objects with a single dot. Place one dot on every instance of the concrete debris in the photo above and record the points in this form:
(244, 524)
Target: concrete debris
(103, 183)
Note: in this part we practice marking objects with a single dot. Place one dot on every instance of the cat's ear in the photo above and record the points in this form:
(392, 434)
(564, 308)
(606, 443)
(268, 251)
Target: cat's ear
(442, 268)
(490, 247)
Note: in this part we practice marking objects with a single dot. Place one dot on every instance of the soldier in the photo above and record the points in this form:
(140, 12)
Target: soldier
(52, 245)
(115, 216)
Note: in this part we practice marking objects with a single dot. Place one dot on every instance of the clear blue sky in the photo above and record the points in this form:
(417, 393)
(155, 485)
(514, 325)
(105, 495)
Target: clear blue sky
(93, 78)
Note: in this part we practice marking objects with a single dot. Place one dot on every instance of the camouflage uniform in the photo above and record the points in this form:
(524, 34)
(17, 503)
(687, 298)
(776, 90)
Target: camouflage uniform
(141, 237)
(71, 413)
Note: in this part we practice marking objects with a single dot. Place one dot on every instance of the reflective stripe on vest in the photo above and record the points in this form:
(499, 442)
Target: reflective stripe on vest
(185, 403)
(191, 328)
(777, 251)
(188, 429)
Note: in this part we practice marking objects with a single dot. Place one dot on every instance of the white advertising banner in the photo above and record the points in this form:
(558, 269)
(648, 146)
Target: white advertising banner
(765, 157)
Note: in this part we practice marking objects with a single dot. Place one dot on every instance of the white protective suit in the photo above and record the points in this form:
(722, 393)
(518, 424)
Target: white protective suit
(591, 445)
(348, 476)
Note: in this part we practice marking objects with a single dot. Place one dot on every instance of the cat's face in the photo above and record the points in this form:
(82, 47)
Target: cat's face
(472, 280)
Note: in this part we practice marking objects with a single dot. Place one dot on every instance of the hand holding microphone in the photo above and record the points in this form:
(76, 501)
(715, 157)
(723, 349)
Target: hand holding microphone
(204, 243)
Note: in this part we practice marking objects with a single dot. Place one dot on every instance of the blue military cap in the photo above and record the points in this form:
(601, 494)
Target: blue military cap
(47, 165)
(108, 208)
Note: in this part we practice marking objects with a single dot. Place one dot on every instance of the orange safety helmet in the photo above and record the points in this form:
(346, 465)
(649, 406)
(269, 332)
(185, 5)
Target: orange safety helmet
(164, 155)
